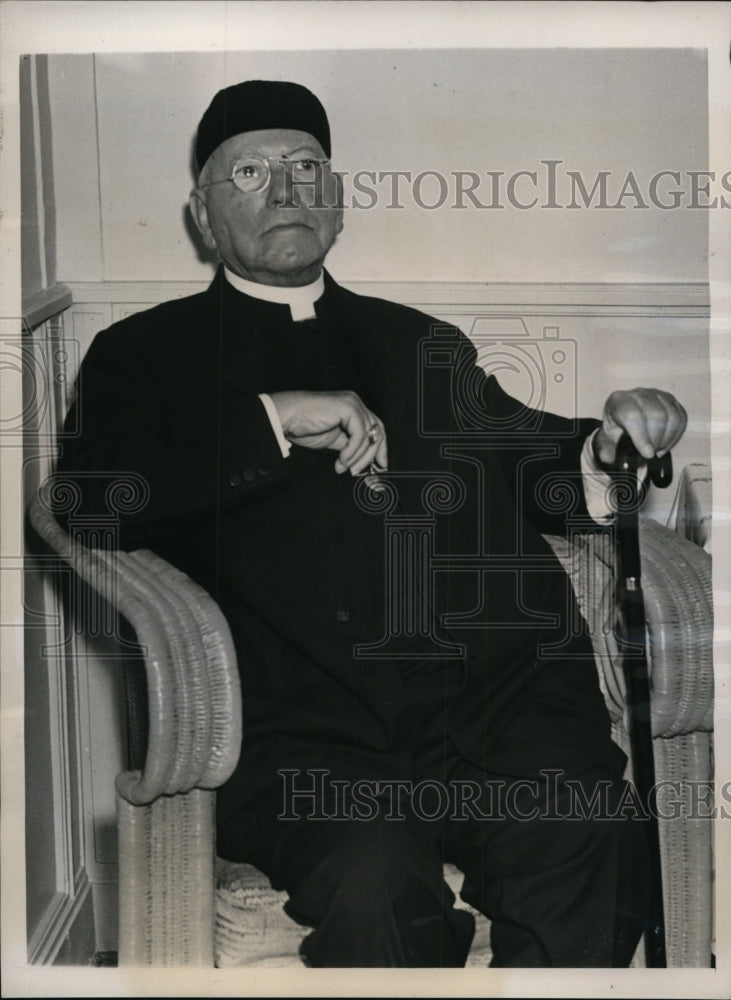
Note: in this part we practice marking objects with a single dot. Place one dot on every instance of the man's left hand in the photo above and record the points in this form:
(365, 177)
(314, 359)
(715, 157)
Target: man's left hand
(654, 420)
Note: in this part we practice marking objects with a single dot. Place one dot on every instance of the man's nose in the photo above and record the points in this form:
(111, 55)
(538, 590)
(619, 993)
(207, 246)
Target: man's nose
(282, 192)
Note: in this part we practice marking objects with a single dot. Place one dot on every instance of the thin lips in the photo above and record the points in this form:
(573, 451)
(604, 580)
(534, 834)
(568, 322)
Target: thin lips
(288, 225)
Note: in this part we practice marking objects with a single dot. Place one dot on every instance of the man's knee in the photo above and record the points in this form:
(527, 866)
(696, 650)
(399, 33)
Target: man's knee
(371, 865)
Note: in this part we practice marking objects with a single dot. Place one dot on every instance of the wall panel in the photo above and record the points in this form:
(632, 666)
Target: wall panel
(623, 335)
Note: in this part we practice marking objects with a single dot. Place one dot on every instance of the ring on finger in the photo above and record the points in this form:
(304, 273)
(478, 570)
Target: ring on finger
(372, 433)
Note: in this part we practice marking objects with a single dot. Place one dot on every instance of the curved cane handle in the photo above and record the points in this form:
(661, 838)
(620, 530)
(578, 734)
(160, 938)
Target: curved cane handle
(628, 459)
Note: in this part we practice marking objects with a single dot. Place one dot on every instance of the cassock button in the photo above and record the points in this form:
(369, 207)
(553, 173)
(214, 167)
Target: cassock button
(263, 471)
(342, 615)
(235, 480)
(249, 475)
(366, 668)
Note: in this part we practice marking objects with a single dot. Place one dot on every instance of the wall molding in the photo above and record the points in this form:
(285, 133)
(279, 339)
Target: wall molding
(57, 923)
(65, 922)
(678, 299)
(42, 305)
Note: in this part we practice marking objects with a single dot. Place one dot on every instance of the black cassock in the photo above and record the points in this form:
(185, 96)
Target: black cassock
(409, 627)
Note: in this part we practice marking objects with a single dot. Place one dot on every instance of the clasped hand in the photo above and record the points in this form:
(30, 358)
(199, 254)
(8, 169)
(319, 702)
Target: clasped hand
(654, 420)
(337, 420)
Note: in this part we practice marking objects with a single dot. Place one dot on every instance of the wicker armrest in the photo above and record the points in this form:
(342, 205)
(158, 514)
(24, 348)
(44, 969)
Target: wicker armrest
(192, 680)
(676, 584)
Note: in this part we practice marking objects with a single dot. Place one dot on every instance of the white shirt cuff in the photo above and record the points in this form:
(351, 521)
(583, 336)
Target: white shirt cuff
(596, 483)
(284, 445)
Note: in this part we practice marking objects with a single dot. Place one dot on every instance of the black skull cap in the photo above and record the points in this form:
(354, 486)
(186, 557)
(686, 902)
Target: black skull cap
(260, 104)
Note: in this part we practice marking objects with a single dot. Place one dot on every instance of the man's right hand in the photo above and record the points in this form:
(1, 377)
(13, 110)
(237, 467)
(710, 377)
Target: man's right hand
(337, 420)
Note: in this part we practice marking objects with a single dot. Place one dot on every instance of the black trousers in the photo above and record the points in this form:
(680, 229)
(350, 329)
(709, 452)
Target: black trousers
(549, 854)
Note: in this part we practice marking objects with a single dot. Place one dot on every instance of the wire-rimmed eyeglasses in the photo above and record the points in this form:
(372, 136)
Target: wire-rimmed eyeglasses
(253, 173)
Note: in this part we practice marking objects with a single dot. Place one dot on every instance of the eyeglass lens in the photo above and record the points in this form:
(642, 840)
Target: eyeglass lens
(252, 173)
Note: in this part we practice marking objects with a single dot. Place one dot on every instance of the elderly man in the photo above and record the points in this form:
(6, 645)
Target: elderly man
(278, 419)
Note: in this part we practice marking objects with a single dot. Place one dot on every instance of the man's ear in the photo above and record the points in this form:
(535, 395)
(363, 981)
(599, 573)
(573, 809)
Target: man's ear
(199, 211)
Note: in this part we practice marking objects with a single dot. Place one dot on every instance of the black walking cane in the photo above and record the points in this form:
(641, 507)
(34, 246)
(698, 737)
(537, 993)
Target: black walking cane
(628, 495)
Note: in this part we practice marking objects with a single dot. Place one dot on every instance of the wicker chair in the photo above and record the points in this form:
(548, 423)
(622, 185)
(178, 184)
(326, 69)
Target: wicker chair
(179, 905)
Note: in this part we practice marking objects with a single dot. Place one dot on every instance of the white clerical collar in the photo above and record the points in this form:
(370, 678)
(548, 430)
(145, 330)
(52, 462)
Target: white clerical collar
(301, 300)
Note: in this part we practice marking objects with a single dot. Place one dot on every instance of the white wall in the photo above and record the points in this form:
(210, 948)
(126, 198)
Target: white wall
(123, 128)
